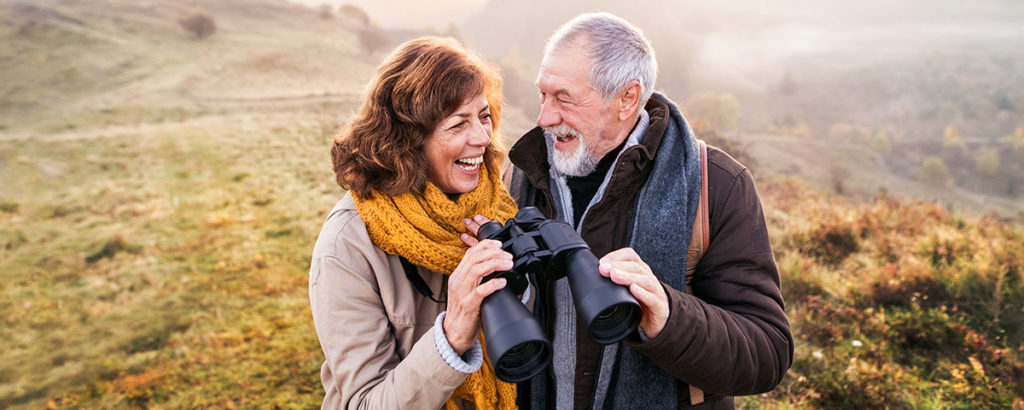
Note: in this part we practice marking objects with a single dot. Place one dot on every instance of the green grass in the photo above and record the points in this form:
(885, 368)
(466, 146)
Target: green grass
(166, 270)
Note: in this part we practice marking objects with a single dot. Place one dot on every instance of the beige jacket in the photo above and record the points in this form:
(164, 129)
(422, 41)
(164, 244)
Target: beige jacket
(376, 331)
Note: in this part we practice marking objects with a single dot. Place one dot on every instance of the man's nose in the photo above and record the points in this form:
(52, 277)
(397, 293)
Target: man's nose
(549, 115)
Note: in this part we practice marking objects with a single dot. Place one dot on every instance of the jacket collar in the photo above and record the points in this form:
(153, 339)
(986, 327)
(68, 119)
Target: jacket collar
(529, 154)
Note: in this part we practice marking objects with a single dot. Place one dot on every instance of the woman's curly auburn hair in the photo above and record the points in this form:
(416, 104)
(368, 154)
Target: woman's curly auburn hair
(420, 84)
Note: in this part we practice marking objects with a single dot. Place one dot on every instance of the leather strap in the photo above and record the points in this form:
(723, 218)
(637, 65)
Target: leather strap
(699, 241)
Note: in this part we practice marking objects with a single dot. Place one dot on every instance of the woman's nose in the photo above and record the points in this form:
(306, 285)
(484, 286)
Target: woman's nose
(481, 134)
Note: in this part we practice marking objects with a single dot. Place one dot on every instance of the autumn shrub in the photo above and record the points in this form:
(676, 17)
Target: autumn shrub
(199, 24)
(896, 304)
(830, 242)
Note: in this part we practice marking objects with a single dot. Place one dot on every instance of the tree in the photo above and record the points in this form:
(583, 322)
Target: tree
(1016, 140)
(987, 161)
(839, 172)
(199, 24)
(951, 138)
(325, 11)
(879, 142)
(932, 171)
(354, 16)
(787, 85)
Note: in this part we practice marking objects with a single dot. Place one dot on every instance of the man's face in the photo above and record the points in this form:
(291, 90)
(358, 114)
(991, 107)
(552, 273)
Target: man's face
(572, 113)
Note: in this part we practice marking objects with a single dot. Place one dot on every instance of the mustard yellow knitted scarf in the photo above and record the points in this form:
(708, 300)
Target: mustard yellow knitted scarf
(425, 229)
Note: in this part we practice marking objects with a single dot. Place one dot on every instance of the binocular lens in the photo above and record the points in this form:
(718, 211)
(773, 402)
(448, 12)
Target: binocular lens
(516, 344)
(522, 361)
(615, 322)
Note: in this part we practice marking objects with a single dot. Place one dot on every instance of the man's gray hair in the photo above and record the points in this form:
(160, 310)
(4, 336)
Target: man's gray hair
(619, 51)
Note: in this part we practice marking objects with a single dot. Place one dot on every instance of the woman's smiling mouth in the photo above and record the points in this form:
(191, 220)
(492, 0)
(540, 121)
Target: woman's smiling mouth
(470, 164)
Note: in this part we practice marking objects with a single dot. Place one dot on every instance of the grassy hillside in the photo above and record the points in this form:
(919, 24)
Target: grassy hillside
(161, 196)
(895, 304)
(78, 65)
(166, 270)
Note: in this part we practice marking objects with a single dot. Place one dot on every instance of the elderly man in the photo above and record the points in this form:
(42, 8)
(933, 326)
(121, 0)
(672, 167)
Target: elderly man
(620, 164)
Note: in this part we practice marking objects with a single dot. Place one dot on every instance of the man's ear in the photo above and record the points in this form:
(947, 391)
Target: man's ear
(629, 100)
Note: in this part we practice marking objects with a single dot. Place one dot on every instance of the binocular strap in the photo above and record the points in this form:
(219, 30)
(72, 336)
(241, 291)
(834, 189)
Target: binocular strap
(412, 274)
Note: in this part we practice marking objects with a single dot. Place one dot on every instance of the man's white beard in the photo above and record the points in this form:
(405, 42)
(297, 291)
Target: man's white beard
(577, 163)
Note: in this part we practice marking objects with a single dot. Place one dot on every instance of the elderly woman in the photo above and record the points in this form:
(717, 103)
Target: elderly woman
(394, 289)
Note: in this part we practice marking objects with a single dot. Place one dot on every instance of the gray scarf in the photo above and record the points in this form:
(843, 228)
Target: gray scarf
(664, 222)
(666, 207)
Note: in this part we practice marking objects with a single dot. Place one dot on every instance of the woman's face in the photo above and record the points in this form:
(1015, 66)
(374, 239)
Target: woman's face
(455, 150)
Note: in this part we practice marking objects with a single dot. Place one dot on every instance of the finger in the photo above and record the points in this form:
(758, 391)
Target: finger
(645, 297)
(473, 225)
(482, 249)
(625, 270)
(490, 287)
(468, 239)
(626, 278)
(477, 270)
(626, 266)
(624, 254)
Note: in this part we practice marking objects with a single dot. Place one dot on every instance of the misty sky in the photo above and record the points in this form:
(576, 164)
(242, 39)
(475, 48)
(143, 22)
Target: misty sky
(750, 38)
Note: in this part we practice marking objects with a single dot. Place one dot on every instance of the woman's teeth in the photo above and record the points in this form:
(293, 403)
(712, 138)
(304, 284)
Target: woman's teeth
(469, 164)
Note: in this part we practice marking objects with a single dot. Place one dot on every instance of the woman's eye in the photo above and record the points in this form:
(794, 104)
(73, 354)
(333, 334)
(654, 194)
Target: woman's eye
(458, 126)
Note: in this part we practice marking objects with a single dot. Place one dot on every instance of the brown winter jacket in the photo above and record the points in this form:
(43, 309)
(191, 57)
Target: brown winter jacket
(731, 336)
(376, 331)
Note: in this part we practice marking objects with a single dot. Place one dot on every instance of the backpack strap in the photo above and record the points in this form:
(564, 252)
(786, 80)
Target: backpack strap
(701, 236)
(699, 241)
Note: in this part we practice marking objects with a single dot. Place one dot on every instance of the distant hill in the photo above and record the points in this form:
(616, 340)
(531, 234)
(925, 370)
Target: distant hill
(73, 64)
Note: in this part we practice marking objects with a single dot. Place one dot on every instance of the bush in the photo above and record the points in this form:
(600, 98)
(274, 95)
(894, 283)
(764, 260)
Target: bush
(199, 24)
(325, 11)
(933, 170)
(354, 15)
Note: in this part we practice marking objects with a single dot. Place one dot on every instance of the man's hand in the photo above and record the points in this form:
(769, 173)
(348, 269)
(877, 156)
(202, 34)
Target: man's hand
(626, 268)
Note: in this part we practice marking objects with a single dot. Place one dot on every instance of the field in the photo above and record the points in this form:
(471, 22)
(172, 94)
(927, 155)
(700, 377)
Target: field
(161, 196)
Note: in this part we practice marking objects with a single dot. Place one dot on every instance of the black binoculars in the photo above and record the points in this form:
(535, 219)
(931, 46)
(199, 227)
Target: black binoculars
(549, 249)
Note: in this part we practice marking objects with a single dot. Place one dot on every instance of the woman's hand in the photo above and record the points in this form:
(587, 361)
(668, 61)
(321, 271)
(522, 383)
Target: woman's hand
(466, 293)
(473, 226)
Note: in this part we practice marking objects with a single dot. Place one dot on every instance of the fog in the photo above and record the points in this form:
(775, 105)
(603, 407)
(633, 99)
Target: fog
(746, 47)
(900, 77)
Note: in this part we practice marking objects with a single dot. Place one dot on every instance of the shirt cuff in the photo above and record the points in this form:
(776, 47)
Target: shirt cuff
(469, 362)
(643, 336)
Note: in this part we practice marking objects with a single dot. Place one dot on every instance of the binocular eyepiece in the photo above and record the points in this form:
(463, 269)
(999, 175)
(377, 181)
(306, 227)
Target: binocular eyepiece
(549, 249)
